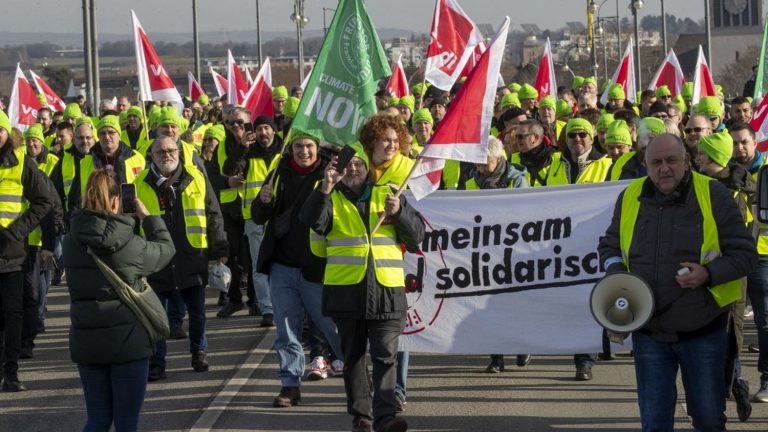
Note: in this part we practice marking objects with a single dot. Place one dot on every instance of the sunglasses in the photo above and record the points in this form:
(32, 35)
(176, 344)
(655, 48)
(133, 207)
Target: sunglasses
(236, 122)
(580, 134)
(521, 137)
(696, 129)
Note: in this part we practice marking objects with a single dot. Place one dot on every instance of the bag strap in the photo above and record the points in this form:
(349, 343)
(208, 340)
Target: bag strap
(116, 281)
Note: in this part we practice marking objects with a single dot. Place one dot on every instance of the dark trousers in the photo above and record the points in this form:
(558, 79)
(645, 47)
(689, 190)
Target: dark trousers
(31, 298)
(382, 335)
(238, 261)
(194, 300)
(114, 393)
(11, 295)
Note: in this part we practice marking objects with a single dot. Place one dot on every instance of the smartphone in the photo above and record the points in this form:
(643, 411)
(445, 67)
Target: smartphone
(345, 155)
(248, 127)
(128, 197)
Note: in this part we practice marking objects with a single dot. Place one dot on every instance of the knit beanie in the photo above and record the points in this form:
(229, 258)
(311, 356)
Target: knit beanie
(407, 101)
(34, 131)
(578, 81)
(422, 115)
(108, 121)
(663, 91)
(280, 92)
(579, 124)
(618, 133)
(291, 106)
(709, 106)
(604, 121)
(5, 123)
(216, 132)
(509, 100)
(527, 92)
(72, 111)
(718, 146)
(616, 92)
(563, 108)
(654, 125)
(547, 102)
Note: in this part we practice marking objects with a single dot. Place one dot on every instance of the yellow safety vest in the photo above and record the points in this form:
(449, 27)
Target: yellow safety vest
(618, 165)
(142, 144)
(596, 171)
(472, 184)
(725, 293)
(451, 174)
(553, 174)
(230, 194)
(397, 172)
(192, 202)
(12, 203)
(133, 166)
(254, 180)
(198, 135)
(36, 235)
(349, 244)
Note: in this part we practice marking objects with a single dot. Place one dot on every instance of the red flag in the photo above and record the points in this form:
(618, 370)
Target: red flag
(195, 89)
(259, 98)
(759, 124)
(545, 78)
(221, 83)
(398, 82)
(23, 104)
(463, 132)
(154, 82)
(624, 75)
(248, 79)
(53, 100)
(669, 74)
(237, 88)
(453, 40)
(426, 178)
(703, 84)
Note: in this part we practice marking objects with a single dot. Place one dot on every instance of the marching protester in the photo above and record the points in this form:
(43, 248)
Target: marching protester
(66, 175)
(295, 272)
(107, 341)
(671, 219)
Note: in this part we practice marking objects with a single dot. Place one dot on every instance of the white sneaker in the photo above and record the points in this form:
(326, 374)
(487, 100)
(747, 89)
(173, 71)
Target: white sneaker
(318, 369)
(337, 368)
(748, 312)
(762, 394)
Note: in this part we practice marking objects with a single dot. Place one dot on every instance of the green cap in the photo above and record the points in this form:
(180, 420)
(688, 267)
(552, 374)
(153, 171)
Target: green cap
(419, 88)
(72, 111)
(280, 92)
(154, 116)
(297, 134)
(616, 92)
(618, 133)
(709, 106)
(718, 146)
(135, 111)
(407, 101)
(687, 91)
(590, 80)
(663, 91)
(360, 152)
(34, 131)
(290, 106)
(719, 91)
(514, 87)
(84, 120)
(183, 124)
(654, 125)
(509, 100)
(110, 121)
(579, 124)
(422, 115)
(216, 132)
(604, 121)
(578, 81)
(5, 123)
(203, 99)
(563, 108)
(393, 101)
(123, 116)
(168, 115)
(547, 101)
(527, 92)
(680, 102)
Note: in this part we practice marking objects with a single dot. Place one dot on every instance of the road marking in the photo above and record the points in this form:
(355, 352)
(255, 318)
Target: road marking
(224, 397)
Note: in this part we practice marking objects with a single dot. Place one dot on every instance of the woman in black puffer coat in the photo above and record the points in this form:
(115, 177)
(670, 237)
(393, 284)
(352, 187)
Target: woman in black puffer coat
(106, 340)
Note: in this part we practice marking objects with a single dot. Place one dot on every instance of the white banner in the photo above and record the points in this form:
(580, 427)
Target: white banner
(508, 271)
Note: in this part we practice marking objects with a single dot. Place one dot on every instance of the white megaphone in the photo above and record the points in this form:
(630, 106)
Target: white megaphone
(621, 303)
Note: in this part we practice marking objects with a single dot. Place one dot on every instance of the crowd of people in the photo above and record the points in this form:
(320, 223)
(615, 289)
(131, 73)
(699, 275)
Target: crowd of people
(217, 184)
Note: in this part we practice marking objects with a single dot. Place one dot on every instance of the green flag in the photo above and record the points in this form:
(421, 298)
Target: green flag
(340, 94)
(761, 80)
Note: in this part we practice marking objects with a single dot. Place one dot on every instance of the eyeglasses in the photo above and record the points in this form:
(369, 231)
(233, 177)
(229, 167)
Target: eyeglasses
(661, 115)
(168, 152)
(714, 118)
(522, 136)
(236, 122)
(696, 129)
(666, 97)
(580, 134)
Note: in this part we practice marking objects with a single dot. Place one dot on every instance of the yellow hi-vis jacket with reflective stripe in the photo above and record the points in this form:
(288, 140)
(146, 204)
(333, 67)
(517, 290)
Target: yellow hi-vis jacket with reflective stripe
(254, 180)
(553, 174)
(397, 172)
(12, 203)
(231, 194)
(36, 235)
(192, 204)
(133, 165)
(349, 244)
(725, 293)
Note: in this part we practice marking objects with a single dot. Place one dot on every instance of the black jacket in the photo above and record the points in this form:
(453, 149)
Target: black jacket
(292, 248)
(367, 299)
(104, 330)
(189, 266)
(668, 231)
(71, 202)
(13, 240)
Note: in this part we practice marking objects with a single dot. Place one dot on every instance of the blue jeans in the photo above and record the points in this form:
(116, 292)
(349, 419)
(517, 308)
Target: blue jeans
(176, 310)
(757, 289)
(194, 299)
(701, 361)
(292, 295)
(401, 388)
(114, 393)
(261, 282)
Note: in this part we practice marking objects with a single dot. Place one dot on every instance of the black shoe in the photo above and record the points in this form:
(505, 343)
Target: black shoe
(497, 364)
(753, 348)
(583, 373)
(229, 309)
(222, 299)
(156, 373)
(41, 327)
(288, 397)
(741, 396)
(11, 383)
(268, 320)
(606, 356)
(177, 333)
(397, 424)
(362, 425)
(253, 310)
(26, 351)
(198, 361)
(523, 359)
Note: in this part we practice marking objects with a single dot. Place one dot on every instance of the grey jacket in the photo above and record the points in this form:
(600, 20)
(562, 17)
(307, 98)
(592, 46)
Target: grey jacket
(668, 231)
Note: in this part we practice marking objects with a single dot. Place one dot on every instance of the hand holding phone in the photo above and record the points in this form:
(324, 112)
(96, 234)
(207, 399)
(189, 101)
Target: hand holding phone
(128, 197)
(345, 155)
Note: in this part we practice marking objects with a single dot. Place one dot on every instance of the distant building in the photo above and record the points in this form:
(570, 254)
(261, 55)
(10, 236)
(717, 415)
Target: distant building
(413, 52)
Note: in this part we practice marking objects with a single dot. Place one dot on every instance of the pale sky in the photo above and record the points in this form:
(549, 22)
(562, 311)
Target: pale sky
(175, 16)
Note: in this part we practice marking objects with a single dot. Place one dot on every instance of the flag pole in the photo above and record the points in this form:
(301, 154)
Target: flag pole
(144, 120)
(399, 192)
(274, 171)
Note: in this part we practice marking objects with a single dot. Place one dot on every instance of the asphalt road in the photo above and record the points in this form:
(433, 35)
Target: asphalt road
(446, 393)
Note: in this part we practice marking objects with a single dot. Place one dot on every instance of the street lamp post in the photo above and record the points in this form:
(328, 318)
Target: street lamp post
(258, 30)
(301, 20)
(196, 40)
(663, 28)
(592, 9)
(635, 6)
